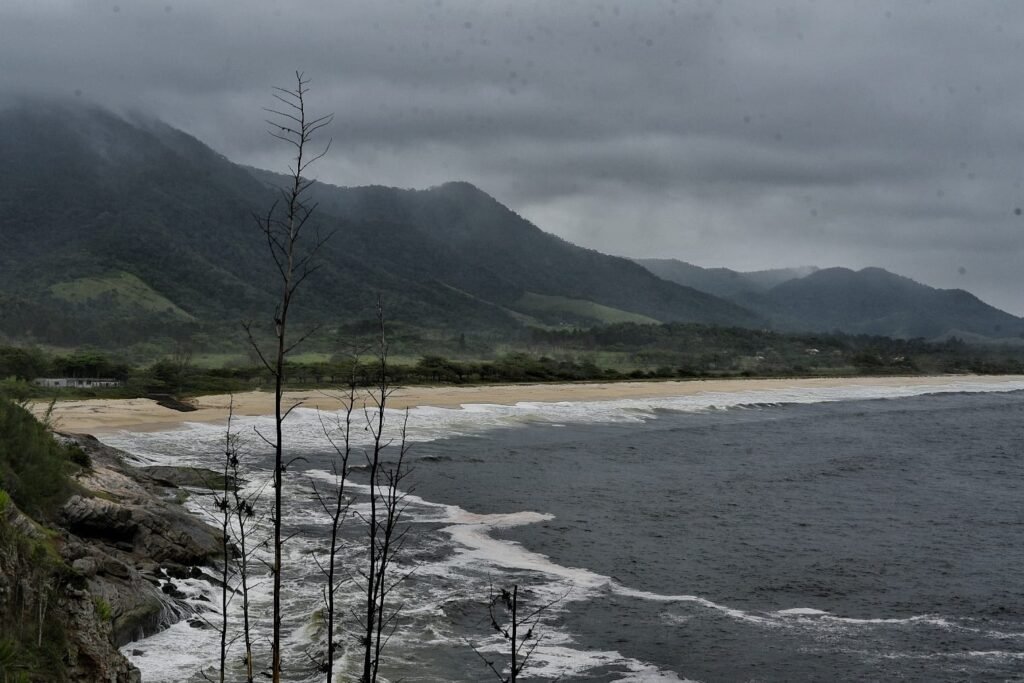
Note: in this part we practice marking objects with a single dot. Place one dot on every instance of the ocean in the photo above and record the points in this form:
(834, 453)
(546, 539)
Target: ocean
(847, 534)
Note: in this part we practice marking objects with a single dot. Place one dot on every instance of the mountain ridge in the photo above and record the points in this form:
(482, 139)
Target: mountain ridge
(871, 300)
(875, 301)
(91, 194)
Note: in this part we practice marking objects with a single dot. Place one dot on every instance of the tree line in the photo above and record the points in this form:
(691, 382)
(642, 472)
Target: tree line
(670, 351)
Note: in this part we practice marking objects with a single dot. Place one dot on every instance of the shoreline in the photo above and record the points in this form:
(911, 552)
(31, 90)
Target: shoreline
(97, 416)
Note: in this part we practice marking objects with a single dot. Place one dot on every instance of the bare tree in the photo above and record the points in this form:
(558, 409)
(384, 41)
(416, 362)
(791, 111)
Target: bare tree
(237, 516)
(244, 510)
(181, 363)
(518, 632)
(385, 536)
(336, 508)
(221, 501)
(46, 587)
(283, 226)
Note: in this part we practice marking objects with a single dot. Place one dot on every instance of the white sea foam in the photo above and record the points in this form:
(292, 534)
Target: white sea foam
(192, 443)
(949, 655)
(739, 614)
(996, 654)
(553, 662)
(810, 612)
(476, 549)
(801, 612)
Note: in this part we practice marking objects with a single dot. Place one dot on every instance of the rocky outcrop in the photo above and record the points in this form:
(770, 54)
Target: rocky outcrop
(91, 656)
(103, 573)
(100, 519)
(125, 534)
(31, 576)
(196, 477)
(145, 527)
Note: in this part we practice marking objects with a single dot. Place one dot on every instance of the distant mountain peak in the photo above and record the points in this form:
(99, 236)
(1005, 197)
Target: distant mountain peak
(876, 301)
(722, 282)
(458, 186)
(871, 300)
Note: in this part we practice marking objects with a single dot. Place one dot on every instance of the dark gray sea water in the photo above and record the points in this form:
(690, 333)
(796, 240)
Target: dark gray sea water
(862, 540)
(791, 540)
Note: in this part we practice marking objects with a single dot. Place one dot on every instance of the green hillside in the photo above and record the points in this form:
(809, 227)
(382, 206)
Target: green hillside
(124, 230)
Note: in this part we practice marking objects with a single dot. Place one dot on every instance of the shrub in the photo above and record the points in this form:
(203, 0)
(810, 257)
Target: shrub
(79, 456)
(33, 466)
(103, 610)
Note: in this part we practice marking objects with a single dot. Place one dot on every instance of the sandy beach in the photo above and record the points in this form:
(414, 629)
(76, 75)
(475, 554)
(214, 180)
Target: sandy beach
(96, 416)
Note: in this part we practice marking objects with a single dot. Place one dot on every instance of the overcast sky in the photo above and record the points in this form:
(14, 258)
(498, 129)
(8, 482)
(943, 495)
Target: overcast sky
(749, 134)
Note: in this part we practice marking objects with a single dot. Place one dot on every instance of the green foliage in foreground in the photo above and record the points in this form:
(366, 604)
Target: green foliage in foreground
(34, 467)
(33, 637)
(34, 482)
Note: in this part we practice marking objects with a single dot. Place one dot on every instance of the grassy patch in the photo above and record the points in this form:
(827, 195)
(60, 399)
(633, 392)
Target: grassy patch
(122, 290)
(217, 360)
(575, 309)
(103, 609)
(309, 357)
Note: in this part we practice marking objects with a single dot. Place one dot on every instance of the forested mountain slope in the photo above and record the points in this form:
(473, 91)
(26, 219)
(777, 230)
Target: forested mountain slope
(120, 228)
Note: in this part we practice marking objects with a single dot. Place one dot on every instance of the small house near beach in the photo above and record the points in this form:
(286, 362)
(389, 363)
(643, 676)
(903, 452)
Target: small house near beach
(76, 382)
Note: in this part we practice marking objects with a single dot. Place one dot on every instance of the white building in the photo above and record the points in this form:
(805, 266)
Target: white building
(76, 382)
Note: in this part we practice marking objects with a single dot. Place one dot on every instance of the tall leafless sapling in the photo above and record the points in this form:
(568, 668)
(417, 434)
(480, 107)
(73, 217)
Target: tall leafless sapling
(243, 504)
(385, 535)
(240, 512)
(336, 507)
(284, 227)
(224, 507)
(517, 630)
(237, 517)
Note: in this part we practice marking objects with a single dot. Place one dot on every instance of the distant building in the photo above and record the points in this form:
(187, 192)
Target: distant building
(76, 382)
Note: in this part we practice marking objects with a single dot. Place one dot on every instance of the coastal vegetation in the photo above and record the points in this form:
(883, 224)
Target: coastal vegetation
(623, 351)
(35, 468)
(34, 481)
(33, 638)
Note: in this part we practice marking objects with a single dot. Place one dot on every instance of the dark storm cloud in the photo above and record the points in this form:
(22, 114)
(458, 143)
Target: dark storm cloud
(750, 134)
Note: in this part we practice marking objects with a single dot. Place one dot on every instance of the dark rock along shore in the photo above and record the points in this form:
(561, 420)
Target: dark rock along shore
(123, 543)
